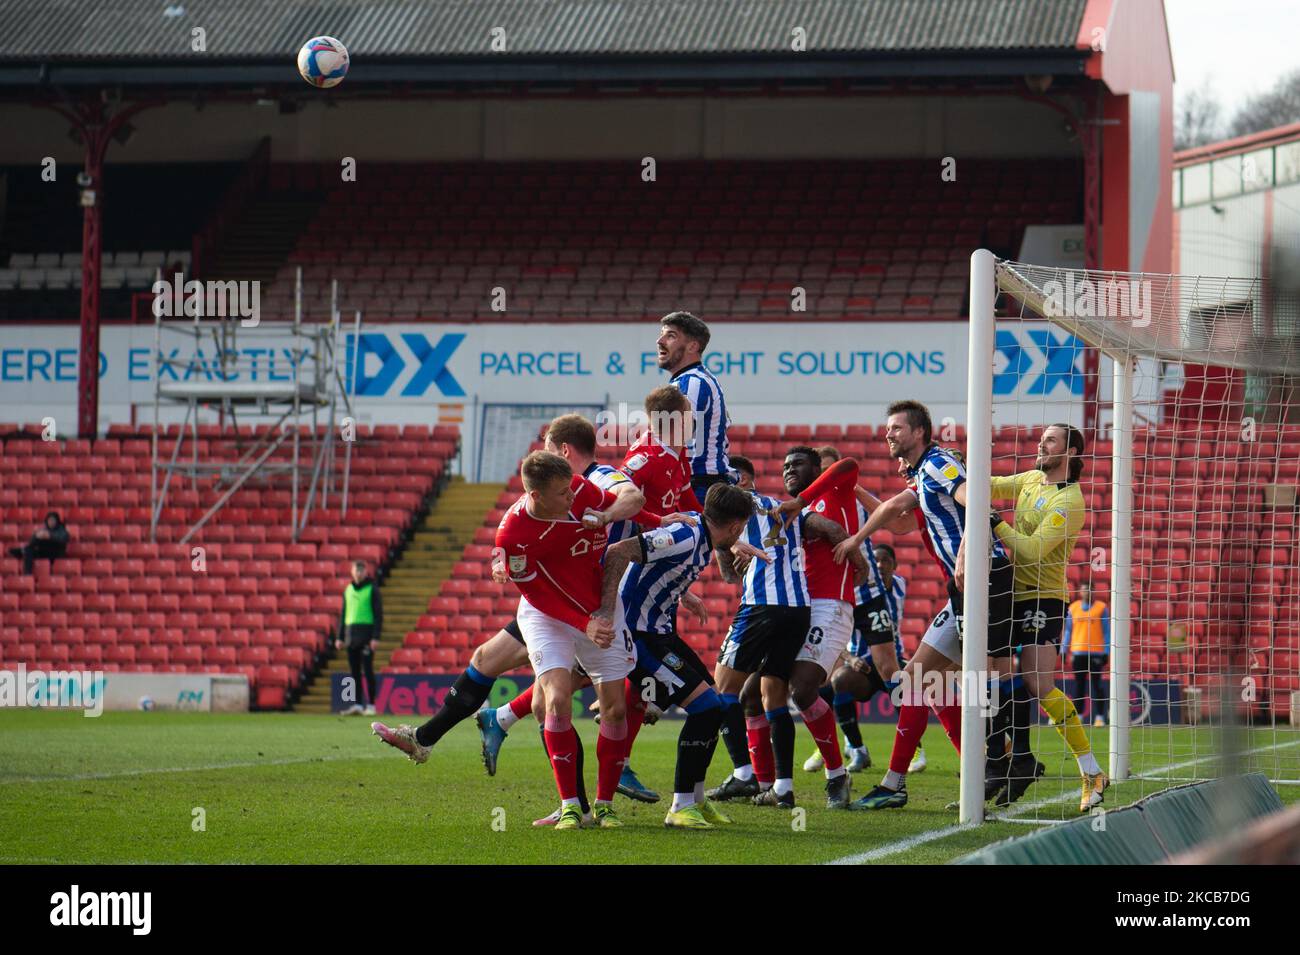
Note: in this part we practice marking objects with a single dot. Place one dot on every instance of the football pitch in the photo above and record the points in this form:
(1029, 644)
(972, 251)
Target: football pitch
(284, 788)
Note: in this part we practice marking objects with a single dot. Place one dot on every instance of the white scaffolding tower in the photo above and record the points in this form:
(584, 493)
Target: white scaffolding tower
(225, 380)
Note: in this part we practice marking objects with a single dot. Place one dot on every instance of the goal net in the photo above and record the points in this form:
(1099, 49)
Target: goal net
(1183, 661)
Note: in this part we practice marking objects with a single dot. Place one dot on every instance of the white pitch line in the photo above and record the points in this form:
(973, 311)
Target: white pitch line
(80, 777)
(902, 845)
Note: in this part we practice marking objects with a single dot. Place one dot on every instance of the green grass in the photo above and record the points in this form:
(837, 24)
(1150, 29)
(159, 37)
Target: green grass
(309, 789)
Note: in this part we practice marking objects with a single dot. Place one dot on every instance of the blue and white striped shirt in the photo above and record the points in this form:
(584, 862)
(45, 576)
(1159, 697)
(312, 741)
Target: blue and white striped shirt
(894, 598)
(780, 581)
(937, 476)
(674, 556)
(607, 478)
(708, 448)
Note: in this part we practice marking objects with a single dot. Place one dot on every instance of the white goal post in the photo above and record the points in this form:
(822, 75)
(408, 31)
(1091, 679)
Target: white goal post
(1214, 644)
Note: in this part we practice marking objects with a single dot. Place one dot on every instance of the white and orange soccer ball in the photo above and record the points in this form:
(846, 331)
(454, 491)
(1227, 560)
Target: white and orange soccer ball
(323, 61)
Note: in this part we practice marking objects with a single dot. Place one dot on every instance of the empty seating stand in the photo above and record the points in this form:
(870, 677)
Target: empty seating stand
(256, 603)
(587, 241)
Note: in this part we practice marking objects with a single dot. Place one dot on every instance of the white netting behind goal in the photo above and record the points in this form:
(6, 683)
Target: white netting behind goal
(1205, 606)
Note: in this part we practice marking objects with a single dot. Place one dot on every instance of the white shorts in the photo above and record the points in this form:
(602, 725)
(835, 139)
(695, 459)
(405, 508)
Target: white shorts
(943, 634)
(829, 631)
(555, 645)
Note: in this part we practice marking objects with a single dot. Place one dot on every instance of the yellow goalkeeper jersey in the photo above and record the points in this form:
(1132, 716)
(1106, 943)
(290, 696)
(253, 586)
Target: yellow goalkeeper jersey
(1047, 523)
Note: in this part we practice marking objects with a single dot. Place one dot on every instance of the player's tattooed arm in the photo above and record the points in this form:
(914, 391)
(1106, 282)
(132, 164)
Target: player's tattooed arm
(903, 524)
(898, 505)
(817, 527)
(727, 566)
(600, 628)
(823, 528)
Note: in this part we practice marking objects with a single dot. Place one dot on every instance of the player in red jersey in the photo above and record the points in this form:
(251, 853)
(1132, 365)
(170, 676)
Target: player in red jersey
(554, 559)
(657, 462)
(832, 494)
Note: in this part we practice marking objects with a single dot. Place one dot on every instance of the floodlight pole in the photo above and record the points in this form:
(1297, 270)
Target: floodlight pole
(95, 127)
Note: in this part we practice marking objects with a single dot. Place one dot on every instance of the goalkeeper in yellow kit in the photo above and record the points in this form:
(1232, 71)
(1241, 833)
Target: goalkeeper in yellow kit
(1049, 514)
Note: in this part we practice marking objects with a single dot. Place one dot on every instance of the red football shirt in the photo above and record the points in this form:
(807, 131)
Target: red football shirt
(556, 564)
(831, 496)
(663, 475)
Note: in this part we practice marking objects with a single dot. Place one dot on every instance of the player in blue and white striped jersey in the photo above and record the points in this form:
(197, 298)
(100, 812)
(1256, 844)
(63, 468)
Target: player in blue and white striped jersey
(681, 344)
(938, 491)
(769, 629)
(660, 565)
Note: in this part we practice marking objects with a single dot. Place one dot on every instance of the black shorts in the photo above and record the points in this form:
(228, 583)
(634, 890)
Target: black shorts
(512, 628)
(1038, 622)
(874, 621)
(765, 638)
(666, 667)
(700, 484)
(1001, 606)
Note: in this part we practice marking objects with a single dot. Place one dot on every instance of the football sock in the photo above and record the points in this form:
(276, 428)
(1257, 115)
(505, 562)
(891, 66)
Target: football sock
(611, 755)
(846, 714)
(1065, 717)
(1066, 720)
(894, 780)
(950, 720)
(463, 700)
(634, 706)
(703, 720)
(1000, 722)
(578, 762)
(733, 731)
(515, 710)
(561, 746)
(1022, 719)
(744, 773)
(783, 786)
(782, 724)
(821, 723)
(913, 715)
(759, 732)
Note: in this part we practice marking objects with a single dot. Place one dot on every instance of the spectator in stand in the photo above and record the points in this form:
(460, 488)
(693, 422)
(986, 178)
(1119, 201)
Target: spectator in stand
(1087, 636)
(50, 540)
(361, 624)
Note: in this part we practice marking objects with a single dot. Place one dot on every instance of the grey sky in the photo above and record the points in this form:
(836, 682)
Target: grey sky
(1243, 46)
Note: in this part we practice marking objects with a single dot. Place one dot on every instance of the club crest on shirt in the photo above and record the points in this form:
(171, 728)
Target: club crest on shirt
(518, 563)
(672, 661)
(635, 463)
(820, 506)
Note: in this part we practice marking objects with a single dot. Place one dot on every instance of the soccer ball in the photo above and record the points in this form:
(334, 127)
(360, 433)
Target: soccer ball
(323, 61)
(146, 703)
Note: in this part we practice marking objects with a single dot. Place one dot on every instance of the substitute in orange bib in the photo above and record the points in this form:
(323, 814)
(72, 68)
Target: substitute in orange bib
(1086, 650)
